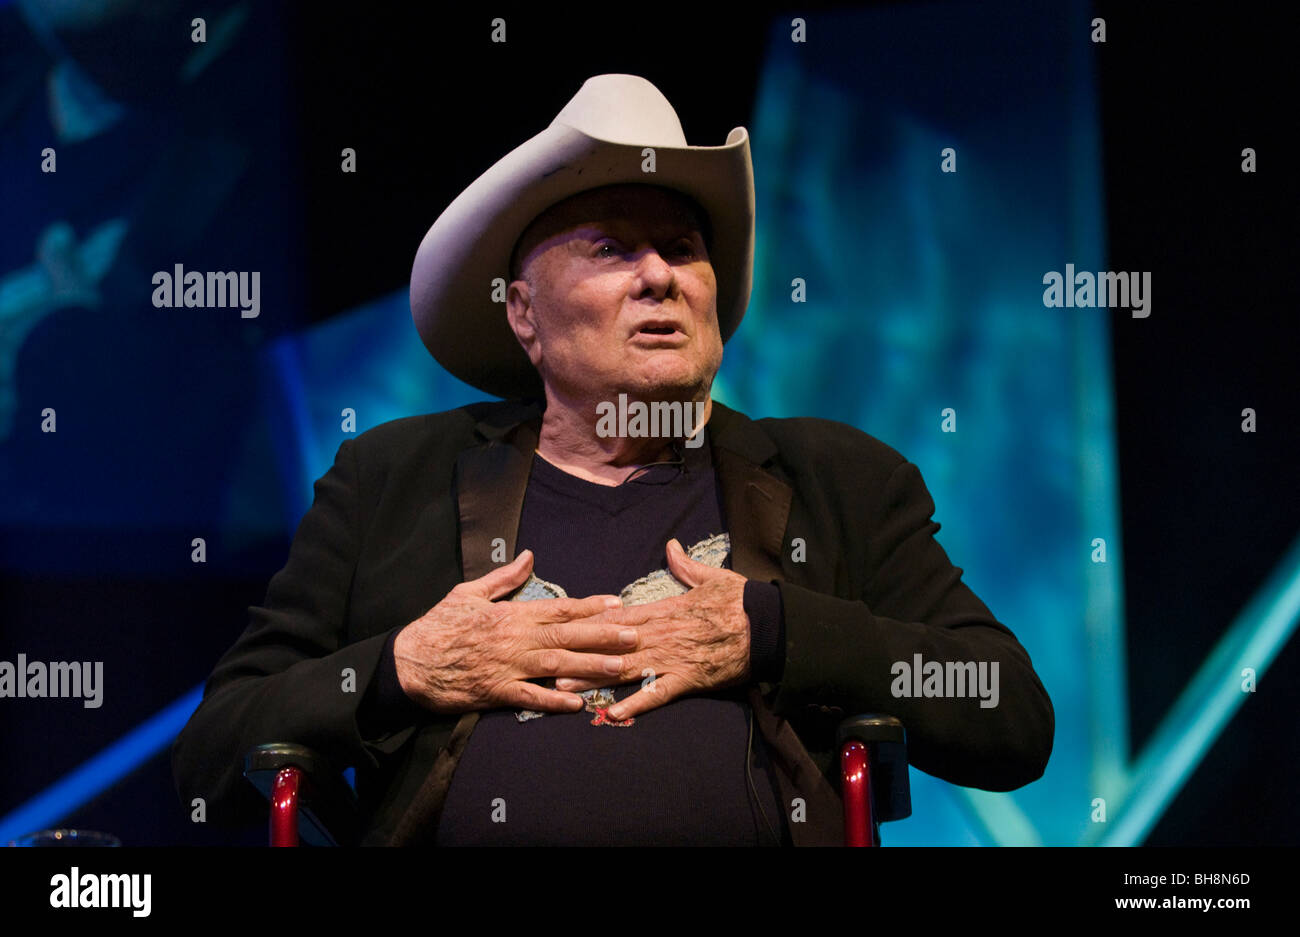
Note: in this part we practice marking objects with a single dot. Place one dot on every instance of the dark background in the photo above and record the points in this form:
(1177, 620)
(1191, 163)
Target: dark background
(1181, 90)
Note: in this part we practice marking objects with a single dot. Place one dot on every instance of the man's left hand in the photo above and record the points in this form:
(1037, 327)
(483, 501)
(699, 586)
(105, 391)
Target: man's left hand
(688, 643)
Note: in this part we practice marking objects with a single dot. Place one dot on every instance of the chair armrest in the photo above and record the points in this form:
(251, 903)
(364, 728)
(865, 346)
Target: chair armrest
(873, 775)
(326, 806)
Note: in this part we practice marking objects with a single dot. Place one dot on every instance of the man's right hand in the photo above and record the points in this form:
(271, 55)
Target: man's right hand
(470, 652)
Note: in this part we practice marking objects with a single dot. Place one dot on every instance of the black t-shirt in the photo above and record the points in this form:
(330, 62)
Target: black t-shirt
(676, 776)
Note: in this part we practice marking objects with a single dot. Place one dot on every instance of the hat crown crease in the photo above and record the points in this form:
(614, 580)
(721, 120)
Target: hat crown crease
(623, 109)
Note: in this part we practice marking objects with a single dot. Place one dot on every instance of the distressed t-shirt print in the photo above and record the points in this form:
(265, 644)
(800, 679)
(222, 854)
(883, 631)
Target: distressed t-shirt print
(660, 584)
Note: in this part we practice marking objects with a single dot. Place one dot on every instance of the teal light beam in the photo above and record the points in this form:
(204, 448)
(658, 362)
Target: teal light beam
(1208, 702)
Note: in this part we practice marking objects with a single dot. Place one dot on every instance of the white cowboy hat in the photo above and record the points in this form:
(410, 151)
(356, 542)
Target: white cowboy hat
(596, 140)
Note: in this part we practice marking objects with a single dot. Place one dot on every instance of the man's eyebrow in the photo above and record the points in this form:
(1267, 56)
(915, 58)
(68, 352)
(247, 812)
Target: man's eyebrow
(589, 230)
(615, 227)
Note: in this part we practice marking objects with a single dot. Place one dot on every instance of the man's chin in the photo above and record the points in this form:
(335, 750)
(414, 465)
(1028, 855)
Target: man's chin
(667, 387)
(667, 377)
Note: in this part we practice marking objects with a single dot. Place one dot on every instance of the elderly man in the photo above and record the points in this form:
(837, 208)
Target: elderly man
(524, 622)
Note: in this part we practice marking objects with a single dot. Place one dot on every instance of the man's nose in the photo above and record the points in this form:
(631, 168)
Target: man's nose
(656, 275)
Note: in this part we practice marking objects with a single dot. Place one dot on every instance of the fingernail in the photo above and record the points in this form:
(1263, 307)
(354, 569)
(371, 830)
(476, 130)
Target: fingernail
(627, 637)
(613, 602)
(613, 664)
(615, 714)
(563, 683)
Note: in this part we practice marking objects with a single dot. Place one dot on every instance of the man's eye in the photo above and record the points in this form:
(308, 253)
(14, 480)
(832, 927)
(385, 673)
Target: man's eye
(684, 248)
(607, 249)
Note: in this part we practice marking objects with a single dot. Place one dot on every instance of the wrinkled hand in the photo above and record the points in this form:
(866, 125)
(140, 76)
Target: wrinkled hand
(687, 643)
(469, 652)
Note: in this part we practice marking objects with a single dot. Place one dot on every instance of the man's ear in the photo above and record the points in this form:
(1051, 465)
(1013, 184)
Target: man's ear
(521, 314)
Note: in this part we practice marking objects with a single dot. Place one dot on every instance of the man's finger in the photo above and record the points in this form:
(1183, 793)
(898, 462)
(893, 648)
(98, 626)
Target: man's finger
(630, 615)
(579, 636)
(654, 694)
(636, 667)
(524, 695)
(501, 581)
(554, 662)
(574, 685)
(546, 611)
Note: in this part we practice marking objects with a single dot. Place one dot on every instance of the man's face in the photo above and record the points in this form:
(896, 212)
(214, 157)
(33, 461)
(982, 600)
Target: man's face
(618, 295)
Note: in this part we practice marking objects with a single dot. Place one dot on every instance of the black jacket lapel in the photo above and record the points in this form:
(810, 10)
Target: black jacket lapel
(491, 479)
(490, 483)
(757, 503)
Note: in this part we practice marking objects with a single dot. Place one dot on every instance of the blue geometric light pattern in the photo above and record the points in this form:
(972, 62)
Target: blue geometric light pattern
(923, 292)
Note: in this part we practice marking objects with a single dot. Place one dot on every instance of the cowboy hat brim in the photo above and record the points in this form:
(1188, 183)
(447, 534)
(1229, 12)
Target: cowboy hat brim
(470, 244)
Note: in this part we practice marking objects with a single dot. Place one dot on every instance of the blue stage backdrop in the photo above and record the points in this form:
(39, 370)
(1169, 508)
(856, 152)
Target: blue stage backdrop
(922, 293)
(890, 295)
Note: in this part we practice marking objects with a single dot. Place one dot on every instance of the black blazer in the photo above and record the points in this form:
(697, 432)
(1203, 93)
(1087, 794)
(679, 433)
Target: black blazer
(839, 520)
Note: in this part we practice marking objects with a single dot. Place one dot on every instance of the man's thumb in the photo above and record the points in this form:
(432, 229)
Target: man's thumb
(504, 579)
(690, 572)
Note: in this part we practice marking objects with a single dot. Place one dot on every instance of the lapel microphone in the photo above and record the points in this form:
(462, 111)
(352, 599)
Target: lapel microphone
(678, 461)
